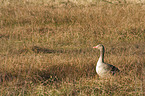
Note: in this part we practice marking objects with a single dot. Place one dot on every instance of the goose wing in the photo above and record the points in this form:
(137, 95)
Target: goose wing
(112, 69)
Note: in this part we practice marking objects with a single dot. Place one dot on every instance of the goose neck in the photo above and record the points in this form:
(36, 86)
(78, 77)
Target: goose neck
(101, 58)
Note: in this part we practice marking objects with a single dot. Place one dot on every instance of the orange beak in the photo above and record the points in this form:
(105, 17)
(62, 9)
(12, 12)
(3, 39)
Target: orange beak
(95, 47)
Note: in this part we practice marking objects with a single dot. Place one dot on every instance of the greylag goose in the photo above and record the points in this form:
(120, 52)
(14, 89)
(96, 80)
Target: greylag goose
(104, 69)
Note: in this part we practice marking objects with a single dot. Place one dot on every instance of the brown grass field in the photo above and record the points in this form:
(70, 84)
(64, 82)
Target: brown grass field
(46, 48)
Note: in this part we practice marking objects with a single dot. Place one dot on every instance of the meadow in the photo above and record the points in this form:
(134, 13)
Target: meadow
(46, 47)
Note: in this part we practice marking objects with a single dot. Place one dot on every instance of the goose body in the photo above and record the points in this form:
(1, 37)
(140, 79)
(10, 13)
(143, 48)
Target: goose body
(104, 69)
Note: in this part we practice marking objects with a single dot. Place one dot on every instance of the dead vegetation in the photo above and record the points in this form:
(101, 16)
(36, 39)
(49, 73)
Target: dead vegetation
(47, 50)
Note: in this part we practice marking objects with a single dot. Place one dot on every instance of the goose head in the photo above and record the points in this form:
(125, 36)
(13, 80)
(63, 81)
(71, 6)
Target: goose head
(99, 46)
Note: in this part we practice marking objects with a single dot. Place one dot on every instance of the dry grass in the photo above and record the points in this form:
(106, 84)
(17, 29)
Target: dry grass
(47, 49)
